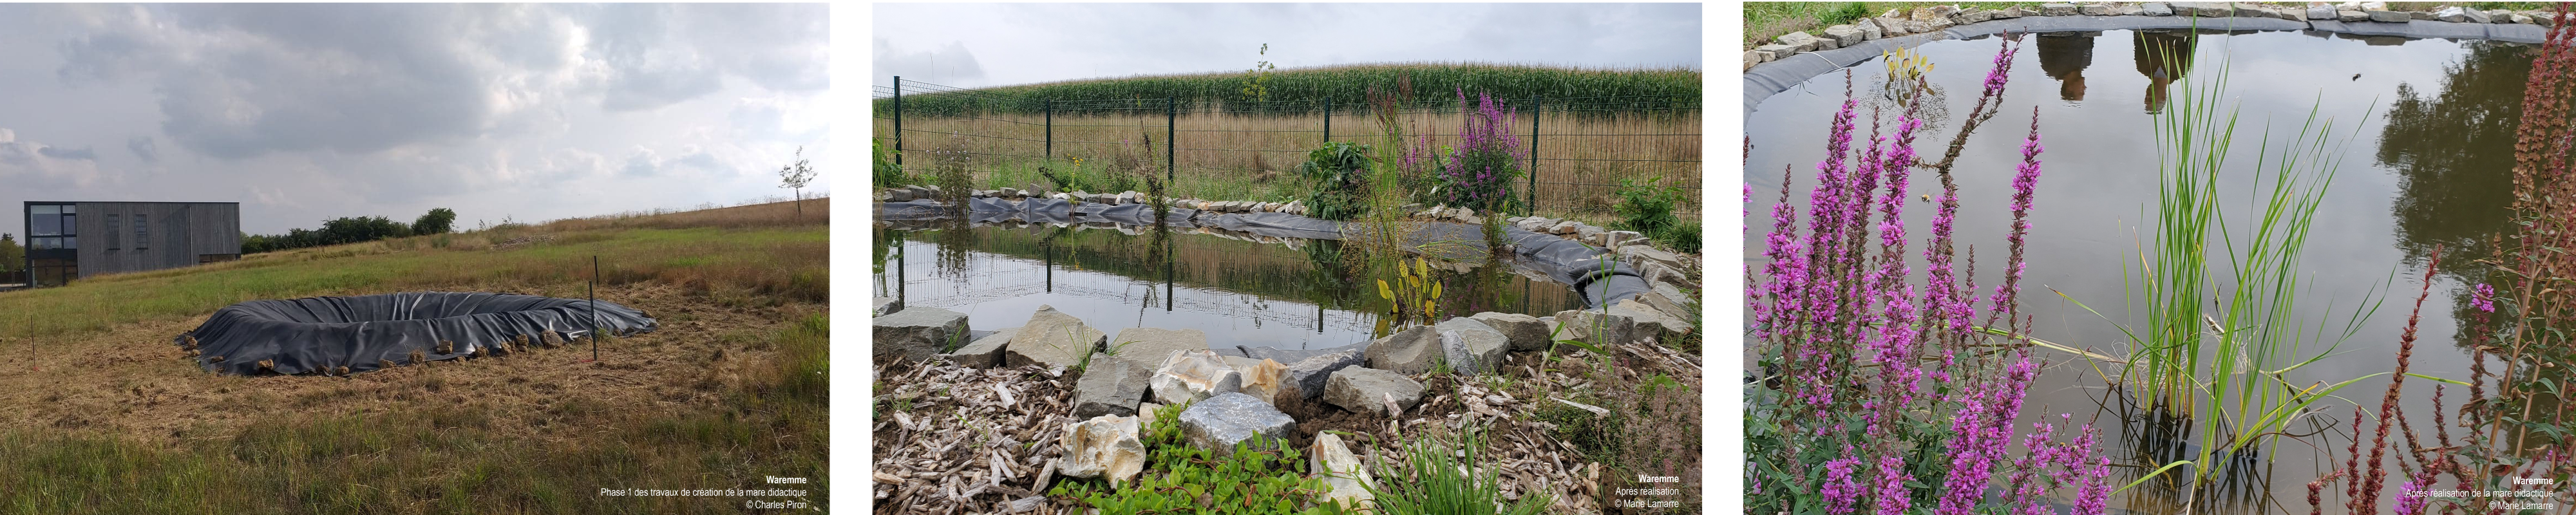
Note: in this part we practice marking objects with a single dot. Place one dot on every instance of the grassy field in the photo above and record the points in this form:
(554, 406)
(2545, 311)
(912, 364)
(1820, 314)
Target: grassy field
(1251, 157)
(99, 413)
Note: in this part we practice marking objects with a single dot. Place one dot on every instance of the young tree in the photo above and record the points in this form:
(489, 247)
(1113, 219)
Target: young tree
(437, 221)
(795, 176)
(12, 257)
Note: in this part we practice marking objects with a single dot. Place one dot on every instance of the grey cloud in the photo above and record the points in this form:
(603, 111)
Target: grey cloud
(778, 46)
(84, 153)
(949, 64)
(145, 148)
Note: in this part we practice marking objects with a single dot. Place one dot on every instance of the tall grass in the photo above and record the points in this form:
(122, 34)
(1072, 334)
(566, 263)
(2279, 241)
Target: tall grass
(2218, 339)
(1296, 90)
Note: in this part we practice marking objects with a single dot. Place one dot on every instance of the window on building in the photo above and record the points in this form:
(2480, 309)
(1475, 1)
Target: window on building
(142, 232)
(112, 229)
(44, 220)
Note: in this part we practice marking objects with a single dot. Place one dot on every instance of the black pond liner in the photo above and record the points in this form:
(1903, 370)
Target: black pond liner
(1562, 260)
(316, 334)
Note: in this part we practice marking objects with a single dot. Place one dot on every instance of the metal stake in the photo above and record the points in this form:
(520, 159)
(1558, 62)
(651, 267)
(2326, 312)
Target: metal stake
(1171, 114)
(594, 307)
(898, 121)
(1533, 168)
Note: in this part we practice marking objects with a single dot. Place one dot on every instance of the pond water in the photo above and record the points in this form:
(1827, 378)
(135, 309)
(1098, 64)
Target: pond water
(1285, 293)
(2430, 164)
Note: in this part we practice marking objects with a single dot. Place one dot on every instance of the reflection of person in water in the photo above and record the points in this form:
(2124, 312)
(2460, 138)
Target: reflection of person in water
(2163, 57)
(2063, 56)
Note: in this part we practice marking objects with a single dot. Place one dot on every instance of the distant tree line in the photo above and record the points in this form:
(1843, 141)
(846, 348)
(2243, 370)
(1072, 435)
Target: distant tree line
(346, 230)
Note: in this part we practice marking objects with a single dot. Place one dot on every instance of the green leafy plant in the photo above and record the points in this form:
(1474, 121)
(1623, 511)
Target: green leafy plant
(1256, 81)
(1432, 481)
(1259, 477)
(1648, 209)
(1340, 171)
(882, 171)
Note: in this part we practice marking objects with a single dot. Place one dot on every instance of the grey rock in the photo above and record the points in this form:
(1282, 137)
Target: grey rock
(1670, 308)
(1192, 375)
(1565, 227)
(1616, 239)
(2452, 14)
(884, 305)
(1648, 321)
(1891, 27)
(2156, 9)
(2475, 16)
(2351, 15)
(1526, 333)
(2287, 13)
(1589, 234)
(1934, 12)
(2249, 10)
(1801, 41)
(2521, 19)
(1365, 390)
(1869, 29)
(2056, 9)
(1410, 351)
(1596, 327)
(2009, 13)
(2419, 15)
(2130, 10)
(1111, 386)
(1052, 339)
(2499, 16)
(898, 195)
(985, 352)
(1152, 345)
(914, 334)
(2095, 10)
(1844, 35)
(2389, 16)
(1972, 15)
(1307, 375)
(1220, 422)
(1291, 355)
(1471, 347)
(1346, 478)
(2321, 12)
(2544, 20)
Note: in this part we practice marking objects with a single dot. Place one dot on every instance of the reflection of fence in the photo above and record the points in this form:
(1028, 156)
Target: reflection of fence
(1578, 149)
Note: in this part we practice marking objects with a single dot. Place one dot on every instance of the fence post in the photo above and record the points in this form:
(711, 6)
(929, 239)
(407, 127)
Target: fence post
(1533, 168)
(1328, 119)
(1171, 114)
(898, 121)
(1050, 131)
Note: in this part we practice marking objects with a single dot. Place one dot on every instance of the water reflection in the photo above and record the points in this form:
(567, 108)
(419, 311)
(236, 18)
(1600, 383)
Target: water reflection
(2453, 153)
(2163, 57)
(2063, 56)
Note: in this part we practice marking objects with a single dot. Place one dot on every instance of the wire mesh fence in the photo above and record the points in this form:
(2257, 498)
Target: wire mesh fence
(1579, 151)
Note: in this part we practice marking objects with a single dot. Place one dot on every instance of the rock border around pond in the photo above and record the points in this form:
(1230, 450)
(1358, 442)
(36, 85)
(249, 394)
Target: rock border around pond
(1794, 58)
(1083, 420)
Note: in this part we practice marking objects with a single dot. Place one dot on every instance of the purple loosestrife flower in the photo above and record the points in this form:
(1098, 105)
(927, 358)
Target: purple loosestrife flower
(2025, 181)
(2483, 298)
(2093, 477)
(1893, 498)
(2030, 479)
(2410, 497)
(1842, 492)
(1982, 428)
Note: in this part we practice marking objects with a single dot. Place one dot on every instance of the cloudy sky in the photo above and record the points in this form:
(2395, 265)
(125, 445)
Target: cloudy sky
(309, 112)
(972, 45)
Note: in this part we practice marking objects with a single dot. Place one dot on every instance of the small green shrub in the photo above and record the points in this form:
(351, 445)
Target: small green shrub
(1340, 171)
(1648, 209)
(882, 171)
(1845, 14)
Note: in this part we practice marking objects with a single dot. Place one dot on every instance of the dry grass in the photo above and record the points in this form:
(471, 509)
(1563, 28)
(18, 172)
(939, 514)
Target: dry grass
(100, 413)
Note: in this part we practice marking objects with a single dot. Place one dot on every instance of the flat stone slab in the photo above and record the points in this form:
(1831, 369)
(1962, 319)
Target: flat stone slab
(1410, 352)
(1052, 339)
(1365, 390)
(1153, 345)
(1526, 333)
(1111, 386)
(1220, 422)
(914, 334)
(882, 306)
(1595, 327)
(985, 352)
(1306, 376)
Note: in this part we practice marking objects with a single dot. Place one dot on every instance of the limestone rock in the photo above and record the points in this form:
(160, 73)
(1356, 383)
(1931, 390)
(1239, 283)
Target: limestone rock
(1844, 35)
(1472, 347)
(883, 306)
(1934, 12)
(986, 352)
(1220, 422)
(1346, 479)
(1264, 381)
(1526, 333)
(2156, 9)
(1773, 52)
(2419, 15)
(2321, 12)
(1892, 27)
(2389, 16)
(1306, 375)
(2351, 15)
(1192, 375)
(1152, 345)
(1366, 390)
(1410, 351)
(1647, 320)
(1801, 41)
(914, 334)
(2094, 9)
(1110, 386)
(1869, 29)
(1103, 446)
(1595, 327)
(1052, 339)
